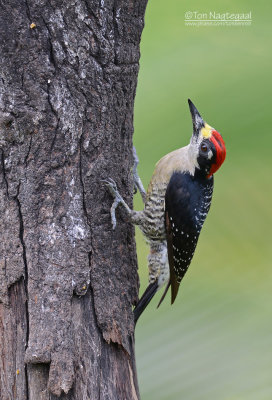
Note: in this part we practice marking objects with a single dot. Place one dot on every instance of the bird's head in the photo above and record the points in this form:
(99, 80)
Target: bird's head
(207, 146)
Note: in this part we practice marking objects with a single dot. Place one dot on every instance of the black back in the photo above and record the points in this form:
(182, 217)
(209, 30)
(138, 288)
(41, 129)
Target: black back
(187, 202)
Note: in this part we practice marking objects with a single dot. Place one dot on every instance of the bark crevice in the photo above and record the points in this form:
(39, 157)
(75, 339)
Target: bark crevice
(21, 236)
(4, 172)
(25, 283)
(28, 10)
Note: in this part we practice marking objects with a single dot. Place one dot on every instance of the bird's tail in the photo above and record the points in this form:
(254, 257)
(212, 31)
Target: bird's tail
(145, 300)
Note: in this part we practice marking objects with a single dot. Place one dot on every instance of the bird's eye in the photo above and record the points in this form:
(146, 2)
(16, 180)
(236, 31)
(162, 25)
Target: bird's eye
(204, 147)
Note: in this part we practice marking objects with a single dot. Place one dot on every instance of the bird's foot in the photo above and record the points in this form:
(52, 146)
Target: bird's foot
(136, 179)
(118, 199)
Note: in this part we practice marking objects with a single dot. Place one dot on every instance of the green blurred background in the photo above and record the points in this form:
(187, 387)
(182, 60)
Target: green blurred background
(215, 342)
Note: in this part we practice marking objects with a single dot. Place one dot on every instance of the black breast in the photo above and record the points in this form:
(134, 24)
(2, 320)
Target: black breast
(187, 202)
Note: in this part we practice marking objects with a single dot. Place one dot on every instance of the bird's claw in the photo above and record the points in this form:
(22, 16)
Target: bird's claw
(136, 179)
(112, 187)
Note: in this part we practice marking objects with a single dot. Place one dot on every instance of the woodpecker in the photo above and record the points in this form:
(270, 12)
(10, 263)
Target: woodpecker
(176, 204)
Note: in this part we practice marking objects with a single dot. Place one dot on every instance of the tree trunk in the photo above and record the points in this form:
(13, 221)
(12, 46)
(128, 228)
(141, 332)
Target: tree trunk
(67, 280)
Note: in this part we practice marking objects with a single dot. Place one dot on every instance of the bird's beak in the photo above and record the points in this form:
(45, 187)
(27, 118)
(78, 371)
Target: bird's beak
(198, 122)
(200, 127)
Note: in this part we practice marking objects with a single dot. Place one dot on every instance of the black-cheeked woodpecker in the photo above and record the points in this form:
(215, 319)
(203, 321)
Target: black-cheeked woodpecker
(175, 207)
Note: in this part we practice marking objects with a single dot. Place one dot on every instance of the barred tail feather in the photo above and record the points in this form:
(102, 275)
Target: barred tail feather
(145, 300)
(164, 294)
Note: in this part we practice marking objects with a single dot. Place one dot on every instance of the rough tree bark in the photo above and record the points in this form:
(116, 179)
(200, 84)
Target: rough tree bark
(67, 281)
